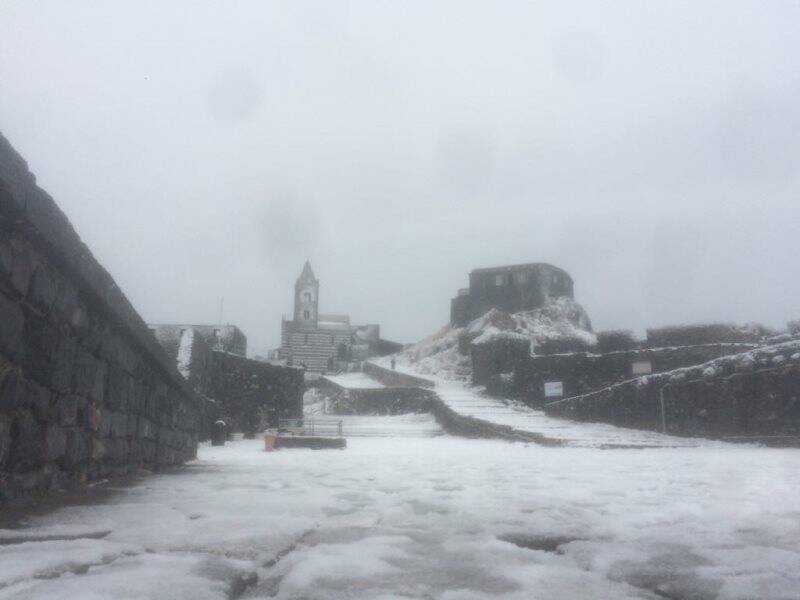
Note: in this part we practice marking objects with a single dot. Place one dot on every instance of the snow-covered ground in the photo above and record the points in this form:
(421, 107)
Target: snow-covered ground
(427, 518)
(471, 402)
(355, 381)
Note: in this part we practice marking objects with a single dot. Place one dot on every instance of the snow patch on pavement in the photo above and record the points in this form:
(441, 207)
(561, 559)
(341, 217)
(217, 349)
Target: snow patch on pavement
(422, 518)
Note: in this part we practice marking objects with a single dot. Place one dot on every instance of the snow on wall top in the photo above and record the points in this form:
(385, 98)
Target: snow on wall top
(184, 359)
(758, 358)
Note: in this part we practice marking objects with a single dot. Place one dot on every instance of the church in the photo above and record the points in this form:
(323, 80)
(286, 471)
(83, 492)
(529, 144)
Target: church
(323, 343)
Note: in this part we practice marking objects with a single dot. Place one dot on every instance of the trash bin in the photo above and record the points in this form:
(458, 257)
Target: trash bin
(269, 441)
(219, 433)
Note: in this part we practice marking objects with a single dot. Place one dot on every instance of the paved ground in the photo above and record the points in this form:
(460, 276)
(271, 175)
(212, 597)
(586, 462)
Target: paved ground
(429, 518)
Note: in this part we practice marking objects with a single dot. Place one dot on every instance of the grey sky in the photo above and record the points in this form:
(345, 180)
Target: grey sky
(206, 149)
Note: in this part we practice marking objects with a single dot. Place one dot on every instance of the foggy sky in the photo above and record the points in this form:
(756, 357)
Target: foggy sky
(207, 149)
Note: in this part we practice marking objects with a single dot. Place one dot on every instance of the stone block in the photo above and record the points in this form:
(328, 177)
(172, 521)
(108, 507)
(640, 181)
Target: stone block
(132, 424)
(145, 429)
(19, 392)
(63, 364)
(65, 409)
(119, 424)
(117, 451)
(79, 448)
(118, 388)
(90, 331)
(12, 322)
(148, 452)
(98, 449)
(89, 376)
(136, 394)
(42, 289)
(135, 452)
(40, 341)
(22, 269)
(105, 422)
(26, 442)
(6, 257)
(5, 443)
(55, 443)
(67, 301)
(94, 416)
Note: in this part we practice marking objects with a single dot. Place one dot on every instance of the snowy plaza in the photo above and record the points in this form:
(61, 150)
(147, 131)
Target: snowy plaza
(358, 300)
(428, 517)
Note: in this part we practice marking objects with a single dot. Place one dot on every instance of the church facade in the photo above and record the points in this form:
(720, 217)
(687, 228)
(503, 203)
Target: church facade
(323, 342)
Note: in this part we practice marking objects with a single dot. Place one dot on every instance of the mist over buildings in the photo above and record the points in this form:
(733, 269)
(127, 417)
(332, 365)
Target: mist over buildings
(206, 150)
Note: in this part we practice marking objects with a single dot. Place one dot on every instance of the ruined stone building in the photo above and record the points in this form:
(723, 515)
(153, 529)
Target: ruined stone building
(511, 289)
(324, 342)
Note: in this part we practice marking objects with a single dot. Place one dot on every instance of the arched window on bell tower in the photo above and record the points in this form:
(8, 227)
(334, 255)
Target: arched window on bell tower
(306, 297)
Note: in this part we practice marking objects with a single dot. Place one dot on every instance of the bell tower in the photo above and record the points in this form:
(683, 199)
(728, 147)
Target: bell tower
(306, 298)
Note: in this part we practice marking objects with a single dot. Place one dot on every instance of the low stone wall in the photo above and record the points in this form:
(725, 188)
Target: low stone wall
(761, 405)
(709, 333)
(392, 378)
(86, 392)
(251, 394)
(470, 427)
(380, 401)
(583, 373)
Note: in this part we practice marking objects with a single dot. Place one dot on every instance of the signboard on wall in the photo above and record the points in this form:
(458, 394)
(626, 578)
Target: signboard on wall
(553, 389)
(642, 367)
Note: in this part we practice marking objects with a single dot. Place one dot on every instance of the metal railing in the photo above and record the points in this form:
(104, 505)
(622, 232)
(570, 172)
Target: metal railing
(312, 427)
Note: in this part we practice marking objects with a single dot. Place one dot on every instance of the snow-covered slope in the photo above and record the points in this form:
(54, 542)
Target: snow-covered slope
(562, 319)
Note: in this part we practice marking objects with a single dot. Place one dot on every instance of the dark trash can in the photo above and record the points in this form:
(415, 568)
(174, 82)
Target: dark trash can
(219, 432)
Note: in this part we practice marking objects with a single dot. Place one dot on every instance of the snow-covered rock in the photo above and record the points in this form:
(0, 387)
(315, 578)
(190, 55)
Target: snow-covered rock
(561, 320)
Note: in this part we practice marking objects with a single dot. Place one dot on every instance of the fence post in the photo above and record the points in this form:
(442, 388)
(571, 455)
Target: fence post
(663, 414)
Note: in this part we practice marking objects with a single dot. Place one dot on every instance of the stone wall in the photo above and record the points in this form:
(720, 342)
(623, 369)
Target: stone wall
(470, 427)
(493, 357)
(710, 333)
(381, 401)
(251, 395)
(744, 400)
(193, 357)
(190, 351)
(451, 421)
(85, 390)
(582, 373)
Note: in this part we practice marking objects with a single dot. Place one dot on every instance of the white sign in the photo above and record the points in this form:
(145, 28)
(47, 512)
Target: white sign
(642, 367)
(553, 389)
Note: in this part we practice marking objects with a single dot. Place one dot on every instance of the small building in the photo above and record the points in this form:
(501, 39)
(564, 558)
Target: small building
(323, 342)
(511, 289)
